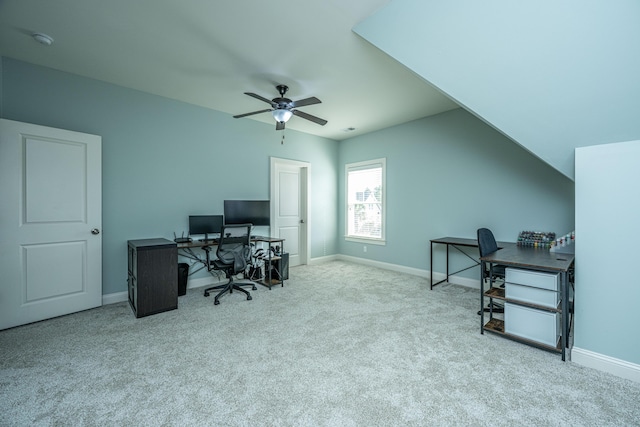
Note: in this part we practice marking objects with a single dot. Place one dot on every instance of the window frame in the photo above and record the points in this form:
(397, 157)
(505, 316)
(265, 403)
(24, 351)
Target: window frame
(364, 165)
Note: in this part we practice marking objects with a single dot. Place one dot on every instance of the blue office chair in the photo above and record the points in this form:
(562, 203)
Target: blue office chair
(487, 245)
(233, 255)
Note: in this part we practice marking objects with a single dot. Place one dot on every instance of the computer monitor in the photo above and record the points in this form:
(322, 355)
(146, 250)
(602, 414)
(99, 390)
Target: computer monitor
(255, 212)
(205, 224)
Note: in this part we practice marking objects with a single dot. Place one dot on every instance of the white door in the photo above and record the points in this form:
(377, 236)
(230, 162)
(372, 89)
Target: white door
(289, 207)
(50, 222)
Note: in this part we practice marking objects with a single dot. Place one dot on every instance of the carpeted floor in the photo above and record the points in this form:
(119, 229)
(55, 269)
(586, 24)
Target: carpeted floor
(339, 345)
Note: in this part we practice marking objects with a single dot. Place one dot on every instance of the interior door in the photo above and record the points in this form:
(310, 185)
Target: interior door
(289, 206)
(50, 221)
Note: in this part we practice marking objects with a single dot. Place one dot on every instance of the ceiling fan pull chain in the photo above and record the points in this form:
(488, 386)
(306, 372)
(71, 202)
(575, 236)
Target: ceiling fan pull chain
(282, 141)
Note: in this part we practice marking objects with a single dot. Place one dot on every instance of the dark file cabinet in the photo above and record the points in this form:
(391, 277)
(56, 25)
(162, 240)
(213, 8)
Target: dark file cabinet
(153, 276)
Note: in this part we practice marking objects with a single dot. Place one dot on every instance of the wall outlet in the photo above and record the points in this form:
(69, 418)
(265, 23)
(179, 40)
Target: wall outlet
(364, 248)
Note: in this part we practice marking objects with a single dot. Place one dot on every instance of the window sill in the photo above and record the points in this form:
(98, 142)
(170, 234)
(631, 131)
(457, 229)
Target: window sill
(366, 240)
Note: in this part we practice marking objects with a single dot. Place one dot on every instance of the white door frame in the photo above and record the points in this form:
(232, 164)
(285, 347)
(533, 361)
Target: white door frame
(305, 173)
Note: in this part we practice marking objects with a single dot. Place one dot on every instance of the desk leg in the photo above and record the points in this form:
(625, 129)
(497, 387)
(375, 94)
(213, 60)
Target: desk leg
(564, 341)
(447, 263)
(431, 266)
(482, 297)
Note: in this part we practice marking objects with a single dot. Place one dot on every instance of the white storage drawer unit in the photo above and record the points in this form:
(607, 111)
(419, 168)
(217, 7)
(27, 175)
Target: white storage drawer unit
(536, 325)
(532, 287)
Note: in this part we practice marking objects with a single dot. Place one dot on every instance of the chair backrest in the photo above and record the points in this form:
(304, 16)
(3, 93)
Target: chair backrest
(234, 246)
(486, 242)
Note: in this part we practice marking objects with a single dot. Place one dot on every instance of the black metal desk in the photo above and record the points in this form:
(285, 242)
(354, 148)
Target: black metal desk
(538, 259)
(186, 250)
(456, 243)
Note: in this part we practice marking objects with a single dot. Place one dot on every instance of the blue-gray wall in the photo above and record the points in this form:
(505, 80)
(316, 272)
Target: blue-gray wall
(163, 160)
(607, 291)
(448, 175)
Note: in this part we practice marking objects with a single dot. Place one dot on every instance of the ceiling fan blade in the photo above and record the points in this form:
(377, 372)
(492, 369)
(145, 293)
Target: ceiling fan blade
(279, 125)
(306, 101)
(314, 119)
(262, 98)
(250, 114)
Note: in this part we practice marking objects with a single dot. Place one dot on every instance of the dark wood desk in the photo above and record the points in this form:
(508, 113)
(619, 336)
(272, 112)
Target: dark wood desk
(456, 243)
(531, 259)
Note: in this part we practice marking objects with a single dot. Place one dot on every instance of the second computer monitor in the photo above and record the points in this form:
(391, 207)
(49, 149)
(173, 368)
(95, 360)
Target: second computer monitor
(255, 212)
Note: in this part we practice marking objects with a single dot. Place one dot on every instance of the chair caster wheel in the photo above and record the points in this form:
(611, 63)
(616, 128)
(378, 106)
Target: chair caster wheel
(249, 297)
(216, 302)
(206, 294)
(254, 288)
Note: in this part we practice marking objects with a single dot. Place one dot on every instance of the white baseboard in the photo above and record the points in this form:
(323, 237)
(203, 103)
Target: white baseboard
(192, 283)
(601, 362)
(457, 280)
(385, 265)
(114, 297)
(323, 259)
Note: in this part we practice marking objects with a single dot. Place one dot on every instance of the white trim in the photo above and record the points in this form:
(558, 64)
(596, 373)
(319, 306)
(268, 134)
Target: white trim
(323, 259)
(462, 281)
(117, 297)
(114, 298)
(365, 240)
(385, 265)
(456, 280)
(601, 362)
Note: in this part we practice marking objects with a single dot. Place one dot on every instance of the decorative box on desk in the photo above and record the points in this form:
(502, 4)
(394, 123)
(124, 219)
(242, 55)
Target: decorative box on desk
(153, 276)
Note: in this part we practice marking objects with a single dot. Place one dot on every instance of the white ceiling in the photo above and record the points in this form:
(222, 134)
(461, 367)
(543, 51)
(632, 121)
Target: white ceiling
(208, 53)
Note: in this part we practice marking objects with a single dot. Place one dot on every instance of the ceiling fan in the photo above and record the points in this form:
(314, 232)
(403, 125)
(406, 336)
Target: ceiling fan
(283, 108)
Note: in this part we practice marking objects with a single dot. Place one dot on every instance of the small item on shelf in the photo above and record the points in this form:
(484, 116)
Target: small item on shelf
(565, 244)
(536, 239)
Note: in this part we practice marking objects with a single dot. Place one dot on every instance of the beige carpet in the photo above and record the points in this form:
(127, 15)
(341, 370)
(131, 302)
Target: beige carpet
(339, 345)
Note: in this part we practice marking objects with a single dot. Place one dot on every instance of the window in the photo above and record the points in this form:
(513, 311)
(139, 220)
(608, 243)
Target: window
(366, 201)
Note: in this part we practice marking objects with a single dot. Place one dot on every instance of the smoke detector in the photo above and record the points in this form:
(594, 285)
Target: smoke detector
(42, 38)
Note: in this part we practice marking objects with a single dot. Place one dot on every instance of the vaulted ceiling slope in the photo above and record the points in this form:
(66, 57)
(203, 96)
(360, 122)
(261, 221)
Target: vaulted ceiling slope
(550, 75)
(208, 53)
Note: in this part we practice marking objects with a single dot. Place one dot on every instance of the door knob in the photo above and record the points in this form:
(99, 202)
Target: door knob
(302, 221)
(95, 231)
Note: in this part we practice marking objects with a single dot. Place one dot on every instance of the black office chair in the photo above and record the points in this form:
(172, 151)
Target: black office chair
(233, 255)
(487, 245)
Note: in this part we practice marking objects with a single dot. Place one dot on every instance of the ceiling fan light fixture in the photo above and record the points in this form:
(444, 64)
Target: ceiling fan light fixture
(281, 115)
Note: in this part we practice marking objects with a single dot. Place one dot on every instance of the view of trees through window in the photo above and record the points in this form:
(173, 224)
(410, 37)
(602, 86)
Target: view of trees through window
(365, 210)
